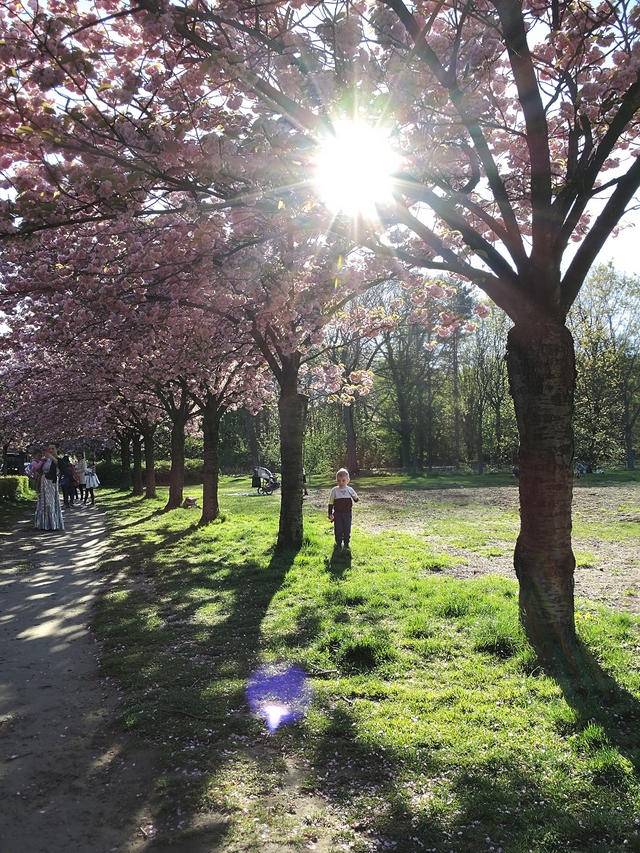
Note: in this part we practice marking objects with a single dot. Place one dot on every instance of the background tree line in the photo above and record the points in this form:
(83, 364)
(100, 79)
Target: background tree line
(449, 405)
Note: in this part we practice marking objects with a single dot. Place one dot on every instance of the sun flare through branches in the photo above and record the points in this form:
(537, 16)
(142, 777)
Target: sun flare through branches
(354, 168)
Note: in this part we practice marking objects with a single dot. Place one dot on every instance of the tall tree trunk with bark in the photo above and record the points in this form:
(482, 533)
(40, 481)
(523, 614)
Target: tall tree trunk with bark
(628, 443)
(352, 456)
(212, 413)
(149, 462)
(124, 440)
(480, 439)
(138, 487)
(540, 359)
(292, 407)
(177, 403)
(250, 423)
(429, 417)
(456, 401)
(176, 473)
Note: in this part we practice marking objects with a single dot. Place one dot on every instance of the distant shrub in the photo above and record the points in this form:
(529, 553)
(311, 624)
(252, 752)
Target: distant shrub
(109, 474)
(193, 472)
(14, 488)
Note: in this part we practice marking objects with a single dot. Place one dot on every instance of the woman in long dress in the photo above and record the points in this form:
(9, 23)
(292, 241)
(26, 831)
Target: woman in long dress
(48, 511)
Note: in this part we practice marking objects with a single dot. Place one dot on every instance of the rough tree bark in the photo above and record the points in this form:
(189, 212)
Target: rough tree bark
(124, 439)
(138, 487)
(540, 360)
(212, 412)
(149, 462)
(292, 407)
(177, 403)
(352, 456)
(176, 473)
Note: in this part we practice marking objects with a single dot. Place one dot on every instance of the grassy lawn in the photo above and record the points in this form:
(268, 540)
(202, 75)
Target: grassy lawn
(430, 728)
(11, 511)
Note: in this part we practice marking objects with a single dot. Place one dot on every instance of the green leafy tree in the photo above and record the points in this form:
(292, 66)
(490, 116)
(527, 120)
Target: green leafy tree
(605, 323)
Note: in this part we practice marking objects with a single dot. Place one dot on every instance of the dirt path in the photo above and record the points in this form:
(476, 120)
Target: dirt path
(67, 782)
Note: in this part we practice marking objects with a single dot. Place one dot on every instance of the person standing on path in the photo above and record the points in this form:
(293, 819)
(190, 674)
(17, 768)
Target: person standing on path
(91, 482)
(48, 514)
(67, 480)
(34, 468)
(81, 469)
(341, 502)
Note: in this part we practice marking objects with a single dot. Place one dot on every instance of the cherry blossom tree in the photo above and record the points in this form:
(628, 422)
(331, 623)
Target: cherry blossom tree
(283, 294)
(518, 128)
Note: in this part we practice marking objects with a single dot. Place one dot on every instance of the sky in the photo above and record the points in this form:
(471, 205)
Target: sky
(623, 251)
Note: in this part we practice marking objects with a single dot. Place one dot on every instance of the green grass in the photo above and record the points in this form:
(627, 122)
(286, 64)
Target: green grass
(12, 511)
(431, 728)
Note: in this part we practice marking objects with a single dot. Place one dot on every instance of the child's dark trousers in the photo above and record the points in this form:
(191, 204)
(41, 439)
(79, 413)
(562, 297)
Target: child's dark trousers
(342, 527)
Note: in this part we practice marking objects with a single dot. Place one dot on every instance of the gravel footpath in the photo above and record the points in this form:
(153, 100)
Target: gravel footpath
(67, 782)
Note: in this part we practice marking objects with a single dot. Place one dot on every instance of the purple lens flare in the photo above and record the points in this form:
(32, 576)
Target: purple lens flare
(280, 693)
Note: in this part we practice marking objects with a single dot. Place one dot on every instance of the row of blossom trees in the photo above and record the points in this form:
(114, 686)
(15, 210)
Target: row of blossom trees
(159, 154)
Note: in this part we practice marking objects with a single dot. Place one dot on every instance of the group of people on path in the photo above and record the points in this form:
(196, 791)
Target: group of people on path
(52, 472)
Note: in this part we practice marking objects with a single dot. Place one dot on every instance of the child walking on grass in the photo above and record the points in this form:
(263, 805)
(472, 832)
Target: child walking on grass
(341, 502)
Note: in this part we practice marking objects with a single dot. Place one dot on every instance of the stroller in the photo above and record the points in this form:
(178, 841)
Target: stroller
(264, 481)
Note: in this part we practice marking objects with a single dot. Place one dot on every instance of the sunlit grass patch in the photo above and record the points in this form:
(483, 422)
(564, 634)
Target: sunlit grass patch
(585, 559)
(479, 532)
(431, 718)
(608, 531)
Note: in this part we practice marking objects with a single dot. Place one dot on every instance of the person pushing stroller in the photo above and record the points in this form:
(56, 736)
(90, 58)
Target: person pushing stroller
(341, 502)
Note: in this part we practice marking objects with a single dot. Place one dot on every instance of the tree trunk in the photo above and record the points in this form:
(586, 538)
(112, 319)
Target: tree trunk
(125, 456)
(250, 423)
(456, 403)
(405, 445)
(352, 458)
(429, 418)
(138, 489)
(150, 465)
(540, 359)
(292, 407)
(176, 474)
(212, 414)
(628, 442)
(628, 436)
(480, 441)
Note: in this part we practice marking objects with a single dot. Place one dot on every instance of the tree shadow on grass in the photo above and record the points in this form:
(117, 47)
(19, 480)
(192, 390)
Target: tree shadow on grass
(183, 650)
(506, 797)
(597, 698)
(418, 798)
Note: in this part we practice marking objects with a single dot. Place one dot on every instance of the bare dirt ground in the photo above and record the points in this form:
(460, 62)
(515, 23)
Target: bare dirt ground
(68, 779)
(608, 569)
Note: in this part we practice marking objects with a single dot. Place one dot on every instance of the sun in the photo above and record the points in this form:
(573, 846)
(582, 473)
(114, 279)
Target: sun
(354, 167)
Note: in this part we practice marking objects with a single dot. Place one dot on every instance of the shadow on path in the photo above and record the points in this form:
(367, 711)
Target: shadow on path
(66, 780)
